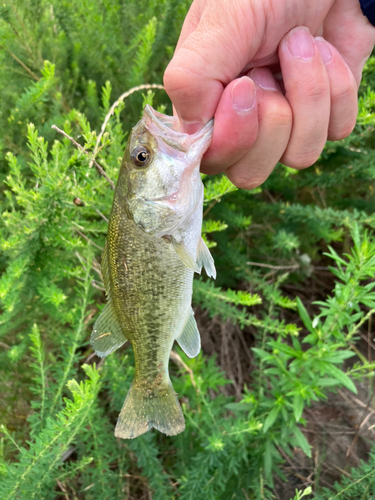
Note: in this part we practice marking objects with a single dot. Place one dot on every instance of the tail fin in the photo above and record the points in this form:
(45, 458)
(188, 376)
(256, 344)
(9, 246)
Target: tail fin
(148, 407)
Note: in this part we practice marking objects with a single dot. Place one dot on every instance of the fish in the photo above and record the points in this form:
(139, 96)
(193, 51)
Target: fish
(153, 248)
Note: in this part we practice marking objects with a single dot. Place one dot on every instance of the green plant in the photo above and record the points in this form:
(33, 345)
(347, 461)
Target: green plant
(301, 494)
(56, 198)
(360, 484)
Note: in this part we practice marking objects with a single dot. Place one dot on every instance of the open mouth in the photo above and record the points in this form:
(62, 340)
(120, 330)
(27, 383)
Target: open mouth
(168, 128)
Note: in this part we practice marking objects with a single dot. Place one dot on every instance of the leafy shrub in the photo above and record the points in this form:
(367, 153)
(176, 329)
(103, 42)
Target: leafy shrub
(58, 411)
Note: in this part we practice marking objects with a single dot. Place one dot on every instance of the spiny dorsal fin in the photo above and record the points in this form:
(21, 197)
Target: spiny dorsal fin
(107, 335)
(205, 259)
(190, 340)
(185, 255)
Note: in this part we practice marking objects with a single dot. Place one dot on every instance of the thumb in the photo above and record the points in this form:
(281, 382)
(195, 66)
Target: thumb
(209, 58)
(192, 81)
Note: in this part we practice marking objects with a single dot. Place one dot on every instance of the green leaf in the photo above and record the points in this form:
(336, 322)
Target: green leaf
(302, 441)
(289, 351)
(341, 377)
(211, 226)
(216, 188)
(298, 405)
(327, 382)
(239, 406)
(334, 255)
(339, 356)
(271, 418)
(261, 353)
(268, 460)
(304, 315)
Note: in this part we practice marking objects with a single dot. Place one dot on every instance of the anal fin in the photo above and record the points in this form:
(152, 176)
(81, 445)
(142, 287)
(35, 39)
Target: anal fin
(107, 335)
(189, 340)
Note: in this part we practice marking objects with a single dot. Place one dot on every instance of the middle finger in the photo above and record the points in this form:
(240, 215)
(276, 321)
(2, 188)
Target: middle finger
(308, 93)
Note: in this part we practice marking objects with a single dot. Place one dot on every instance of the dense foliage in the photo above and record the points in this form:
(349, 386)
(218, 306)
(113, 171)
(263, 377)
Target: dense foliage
(64, 64)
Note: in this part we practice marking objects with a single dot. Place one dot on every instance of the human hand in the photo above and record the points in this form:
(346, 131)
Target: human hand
(221, 68)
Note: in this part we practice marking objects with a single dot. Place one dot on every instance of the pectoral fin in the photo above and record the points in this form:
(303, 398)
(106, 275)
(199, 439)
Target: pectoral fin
(190, 340)
(205, 259)
(107, 334)
(185, 255)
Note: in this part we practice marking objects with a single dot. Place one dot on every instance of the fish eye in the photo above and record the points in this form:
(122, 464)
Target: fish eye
(140, 156)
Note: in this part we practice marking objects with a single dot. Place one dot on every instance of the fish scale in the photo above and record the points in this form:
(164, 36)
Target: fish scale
(153, 248)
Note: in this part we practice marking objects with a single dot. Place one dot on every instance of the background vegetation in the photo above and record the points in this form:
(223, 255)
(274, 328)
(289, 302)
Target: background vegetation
(281, 397)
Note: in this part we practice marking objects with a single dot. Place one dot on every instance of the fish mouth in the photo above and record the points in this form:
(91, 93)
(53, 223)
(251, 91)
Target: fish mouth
(169, 129)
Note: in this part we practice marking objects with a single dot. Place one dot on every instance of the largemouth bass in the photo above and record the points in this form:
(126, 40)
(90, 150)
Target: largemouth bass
(153, 248)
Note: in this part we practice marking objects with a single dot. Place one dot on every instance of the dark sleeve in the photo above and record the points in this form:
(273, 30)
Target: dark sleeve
(368, 9)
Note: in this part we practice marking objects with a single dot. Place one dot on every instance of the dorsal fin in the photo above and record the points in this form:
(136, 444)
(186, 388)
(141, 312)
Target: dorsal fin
(189, 340)
(205, 259)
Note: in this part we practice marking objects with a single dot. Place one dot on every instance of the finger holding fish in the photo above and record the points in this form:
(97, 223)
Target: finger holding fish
(236, 126)
(275, 124)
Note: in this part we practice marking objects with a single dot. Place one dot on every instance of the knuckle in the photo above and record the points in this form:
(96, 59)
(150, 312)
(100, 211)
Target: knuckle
(248, 185)
(280, 116)
(312, 92)
(245, 180)
(181, 80)
(336, 133)
(299, 161)
(305, 147)
(175, 80)
(212, 167)
(347, 93)
(275, 111)
(344, 108)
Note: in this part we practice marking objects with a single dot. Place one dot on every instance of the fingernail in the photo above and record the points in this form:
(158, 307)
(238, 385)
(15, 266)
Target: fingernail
(190, 127)
(264, 78)
(324, 49)
(243, 95)
(300, 43)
